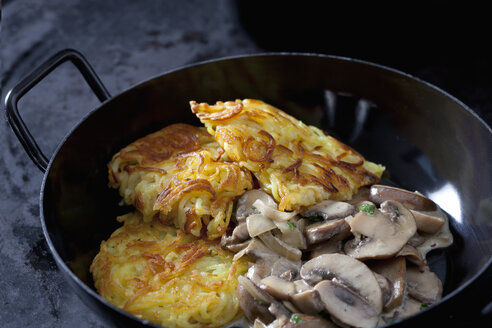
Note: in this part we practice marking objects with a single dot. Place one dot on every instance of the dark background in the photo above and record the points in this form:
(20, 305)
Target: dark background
(128, 41)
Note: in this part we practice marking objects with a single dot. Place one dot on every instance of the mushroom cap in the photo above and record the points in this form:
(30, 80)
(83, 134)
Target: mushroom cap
(411, 200)
(238, 240)
(302, 285)
(347, 306)
(292, 232)
(424, 285)
(284, 268)
(429, 221)
(279, 247)
(328, 247)
(329, 209)
(409, 306)
(257, 250)
(427, 214)
(252, 308)
(245, 203)
(348, 270)
(258, 271)
(385, 232)
(277, 287)
(322, 231)
(417, 240)
(258, 223)
(308, 301)
(385, 286)
(394, 270)
(413, 255)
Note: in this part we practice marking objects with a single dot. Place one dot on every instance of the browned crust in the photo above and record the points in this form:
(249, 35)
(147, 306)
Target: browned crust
(218, 112)
(161, 145)
(259, 149)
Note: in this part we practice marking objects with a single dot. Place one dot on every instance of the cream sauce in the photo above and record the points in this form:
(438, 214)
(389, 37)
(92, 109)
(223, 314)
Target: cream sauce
(423, 242)
(442, 238)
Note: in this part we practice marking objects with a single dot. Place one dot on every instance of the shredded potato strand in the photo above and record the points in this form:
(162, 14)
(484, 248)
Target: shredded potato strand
(297, 164)
(179, 173)
(171, 278)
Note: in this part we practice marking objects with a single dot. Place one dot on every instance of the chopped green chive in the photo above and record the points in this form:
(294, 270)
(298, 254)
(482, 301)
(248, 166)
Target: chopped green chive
(253, 208)
(259, 302)
(291, 225)
(295, 318)
(368, 208)
(314, 218)
(423, 306)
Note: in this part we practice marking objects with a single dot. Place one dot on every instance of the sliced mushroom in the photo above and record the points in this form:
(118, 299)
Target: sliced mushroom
(413, 255)
(302, 285)
(286, 269)
(429, 221)
(409, 306)
(279, 247)
(329, 209)
(308, 301)
(279, 311)
(288, 275)
(237, 240)
(322, 231)
(423, 285)
(236, 248)
(272, 212)
(328, 247)
(253, 308)
(259, 324)
(290, 306)
(411, 200)
(258, 271)
(382, 234)
(394, 270)
(427, 214)
(257, 250)
(255, 291)
(245, 203)
(258, 223)
(292, 232)
(385, 287)
(240, 232)
(350, 271)
(417, 240)
(277, 287)
(347, 306)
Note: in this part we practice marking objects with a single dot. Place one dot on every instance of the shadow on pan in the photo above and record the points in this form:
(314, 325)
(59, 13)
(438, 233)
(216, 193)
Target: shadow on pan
(428, 140)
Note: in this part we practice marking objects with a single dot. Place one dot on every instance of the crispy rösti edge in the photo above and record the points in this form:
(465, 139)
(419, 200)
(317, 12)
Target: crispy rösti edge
(158, 273)
(182, 175)
(297, 164)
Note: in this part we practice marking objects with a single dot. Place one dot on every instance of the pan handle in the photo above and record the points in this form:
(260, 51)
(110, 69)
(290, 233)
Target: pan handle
(19, 90)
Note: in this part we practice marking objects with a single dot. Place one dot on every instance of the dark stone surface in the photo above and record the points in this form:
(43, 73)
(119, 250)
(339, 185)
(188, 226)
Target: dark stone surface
(126, 42)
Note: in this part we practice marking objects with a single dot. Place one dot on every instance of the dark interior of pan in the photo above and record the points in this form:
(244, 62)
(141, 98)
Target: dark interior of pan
(427, 140)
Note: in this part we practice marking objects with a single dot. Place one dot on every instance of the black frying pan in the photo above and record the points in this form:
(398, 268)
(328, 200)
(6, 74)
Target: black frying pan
(428, 140)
